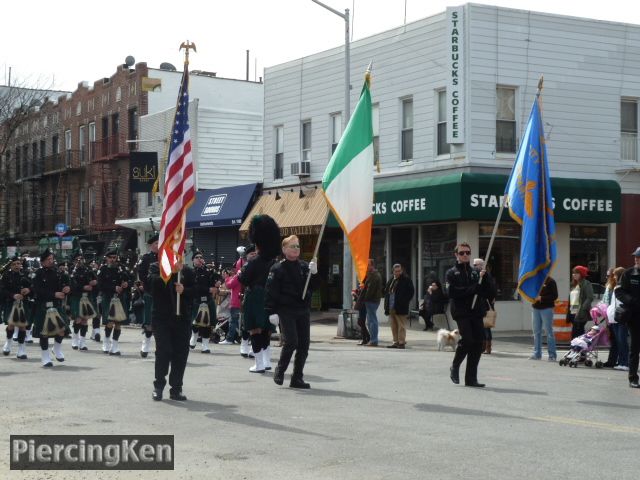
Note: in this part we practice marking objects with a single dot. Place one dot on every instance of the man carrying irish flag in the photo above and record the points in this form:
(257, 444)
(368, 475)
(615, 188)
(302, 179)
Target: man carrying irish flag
(348, 181)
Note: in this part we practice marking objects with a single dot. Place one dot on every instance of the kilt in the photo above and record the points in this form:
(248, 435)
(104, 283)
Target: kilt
(6, 311)
(253, 310)
(106, 304)
(40, 312)
(212, 311)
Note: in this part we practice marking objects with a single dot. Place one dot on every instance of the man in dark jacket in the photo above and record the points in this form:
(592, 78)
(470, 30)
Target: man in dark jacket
(171, 330)
(397, 296)
(463, 284)
(371, 298)
(629, 295)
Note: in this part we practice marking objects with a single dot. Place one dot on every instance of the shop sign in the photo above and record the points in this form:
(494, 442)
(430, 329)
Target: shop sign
(455, 75)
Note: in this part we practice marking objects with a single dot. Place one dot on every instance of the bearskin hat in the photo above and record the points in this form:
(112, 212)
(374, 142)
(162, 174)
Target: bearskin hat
(265, 233)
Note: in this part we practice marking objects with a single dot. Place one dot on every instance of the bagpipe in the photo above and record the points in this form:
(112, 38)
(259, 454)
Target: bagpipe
(203, 317)
(116, 310)
(86, 308)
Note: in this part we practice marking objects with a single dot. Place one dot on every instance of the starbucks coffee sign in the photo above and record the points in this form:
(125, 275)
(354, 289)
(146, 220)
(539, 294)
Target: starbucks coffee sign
(455, 76)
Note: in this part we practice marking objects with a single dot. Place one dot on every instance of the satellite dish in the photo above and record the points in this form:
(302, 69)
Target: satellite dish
(167, 66)
(129, 61)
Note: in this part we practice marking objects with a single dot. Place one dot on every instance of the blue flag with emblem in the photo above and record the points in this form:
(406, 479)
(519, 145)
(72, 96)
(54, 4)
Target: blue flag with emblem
(530, 203)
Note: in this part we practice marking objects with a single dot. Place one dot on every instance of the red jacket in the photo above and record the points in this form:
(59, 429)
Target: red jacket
(233, 284)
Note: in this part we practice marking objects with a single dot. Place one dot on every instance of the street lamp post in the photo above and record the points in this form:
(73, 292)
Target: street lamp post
(347, 269)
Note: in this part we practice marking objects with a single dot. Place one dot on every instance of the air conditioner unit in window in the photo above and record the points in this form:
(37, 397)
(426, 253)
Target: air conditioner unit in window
(301, 169)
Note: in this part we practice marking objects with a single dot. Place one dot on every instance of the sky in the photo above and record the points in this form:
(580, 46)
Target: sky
(58, 47)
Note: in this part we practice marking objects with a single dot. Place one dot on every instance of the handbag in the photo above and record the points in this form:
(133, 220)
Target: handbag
(489, 319)
(622, 314)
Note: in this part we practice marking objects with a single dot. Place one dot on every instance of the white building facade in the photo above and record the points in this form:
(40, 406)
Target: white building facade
(452, 94)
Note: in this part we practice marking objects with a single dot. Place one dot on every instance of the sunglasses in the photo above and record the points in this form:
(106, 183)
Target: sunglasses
(464, 252)
(197, 258)
(294, 246)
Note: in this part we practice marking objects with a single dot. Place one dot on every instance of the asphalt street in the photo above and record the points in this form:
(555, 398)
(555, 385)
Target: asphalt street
(371, 413)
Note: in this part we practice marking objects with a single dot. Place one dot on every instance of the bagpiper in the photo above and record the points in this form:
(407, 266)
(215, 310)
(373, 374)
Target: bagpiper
(112, 281)
(49, 319)
(83, 284)
(143, 275)
(15, 289)
(204, 309)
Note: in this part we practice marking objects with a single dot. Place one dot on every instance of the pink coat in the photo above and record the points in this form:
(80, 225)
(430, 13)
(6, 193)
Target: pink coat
(233, 284)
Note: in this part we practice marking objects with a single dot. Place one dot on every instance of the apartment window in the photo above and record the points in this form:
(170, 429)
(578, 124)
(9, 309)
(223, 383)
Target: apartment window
(506, 120)
(118, 94)
(26, 165)
(67, 208)
(629, 130)
(375, 121)
(18, 159)
(149, 199)
(55, 145)
(92, 140)
(133, 127)
(82, 143)
(78, 109)
(443, 147)
(67, 147)
(279, 153)
(115, 123)
(336, 130)
(306, 141)
(82, 206)
(43, 149)
(92, 204)
(34, 158)
(407, 130)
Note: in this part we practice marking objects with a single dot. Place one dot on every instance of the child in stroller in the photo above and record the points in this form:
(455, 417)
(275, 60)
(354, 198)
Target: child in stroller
(585, 348)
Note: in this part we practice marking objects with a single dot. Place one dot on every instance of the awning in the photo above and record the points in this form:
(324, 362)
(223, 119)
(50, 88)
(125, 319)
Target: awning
(477, 196)
(294, 215)
(221, 207)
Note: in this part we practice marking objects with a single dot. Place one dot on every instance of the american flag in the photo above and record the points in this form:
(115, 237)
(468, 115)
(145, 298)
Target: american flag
(179, 186)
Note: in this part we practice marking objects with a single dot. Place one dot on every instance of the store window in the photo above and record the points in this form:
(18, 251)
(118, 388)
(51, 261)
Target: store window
(588, 247)
(438, 244)
(378, 250)
(504, 259)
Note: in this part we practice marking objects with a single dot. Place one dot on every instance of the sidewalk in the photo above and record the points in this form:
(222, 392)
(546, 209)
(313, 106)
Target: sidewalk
(324, 328)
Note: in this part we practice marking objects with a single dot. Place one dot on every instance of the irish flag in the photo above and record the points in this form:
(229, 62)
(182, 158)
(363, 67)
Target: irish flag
(348, 181)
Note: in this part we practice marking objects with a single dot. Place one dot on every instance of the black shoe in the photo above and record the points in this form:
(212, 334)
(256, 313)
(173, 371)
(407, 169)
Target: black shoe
(178, 396)
(297, 382)
(97, 338)
(74, 348)
(157, 394)
(454, 375)
(6, 354)
(634, 384)
(278, 376)
(144, 354)
(401, 346)
(393, 345)
(84, 349)
(474, 384)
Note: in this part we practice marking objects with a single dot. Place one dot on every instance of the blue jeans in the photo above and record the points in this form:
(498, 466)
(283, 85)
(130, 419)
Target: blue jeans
(543, 318)
(372, 320)
(234, 324)
(621, 333)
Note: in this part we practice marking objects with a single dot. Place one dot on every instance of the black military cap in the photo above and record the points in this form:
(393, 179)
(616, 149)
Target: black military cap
(153, 238)
(111, 251)
(250, 248)
(46, 254)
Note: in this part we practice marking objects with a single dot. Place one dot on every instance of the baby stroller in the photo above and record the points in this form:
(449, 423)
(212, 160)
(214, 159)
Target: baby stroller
(585, 347)
(221, 329)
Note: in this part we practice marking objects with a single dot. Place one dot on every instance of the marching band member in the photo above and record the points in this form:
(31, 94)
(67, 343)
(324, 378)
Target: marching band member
(143, 274)
(204, 309)
(112, 281)
(15, 288)
(83, 283)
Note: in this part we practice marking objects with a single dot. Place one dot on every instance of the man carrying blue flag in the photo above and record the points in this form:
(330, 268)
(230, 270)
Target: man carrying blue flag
(528, 192)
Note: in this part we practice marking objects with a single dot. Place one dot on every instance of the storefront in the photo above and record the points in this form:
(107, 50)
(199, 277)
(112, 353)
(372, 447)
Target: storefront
(419, 221)
(214, 221)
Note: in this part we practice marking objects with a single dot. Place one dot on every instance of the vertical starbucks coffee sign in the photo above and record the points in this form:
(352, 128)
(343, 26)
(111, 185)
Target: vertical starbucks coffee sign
(455, 76)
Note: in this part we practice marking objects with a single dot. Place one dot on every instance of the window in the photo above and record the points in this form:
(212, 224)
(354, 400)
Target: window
(67, 208)
(306, 141)
(407, 130)
(629, 130)
(34, 158)
(506, 120)
(78, 109)
(118, 94)
(149, 199)
(92, 203)
(279, 153)
(375, 121)
(92, 140)
(443, 147)
(438, 243)
(26, 165)
(133, 127)
(18, 160)
(43, 149)
(115, 123)
(336, 130)
(505, 256)
(82, 143)
(67, 147)
(82, 206)
(55, 145)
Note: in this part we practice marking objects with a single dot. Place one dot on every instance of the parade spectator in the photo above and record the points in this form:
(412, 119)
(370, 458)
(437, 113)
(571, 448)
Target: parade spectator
(371, 298)
(397, 295)
(580, 299)
(542, 318)
(629, 295)
(620, 337)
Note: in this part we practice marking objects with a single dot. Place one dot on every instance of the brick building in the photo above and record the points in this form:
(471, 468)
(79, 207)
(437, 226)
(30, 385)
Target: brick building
(69, 162)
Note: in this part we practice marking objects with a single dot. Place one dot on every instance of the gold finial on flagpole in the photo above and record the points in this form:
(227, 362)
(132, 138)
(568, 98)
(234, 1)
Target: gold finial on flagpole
(187, 46)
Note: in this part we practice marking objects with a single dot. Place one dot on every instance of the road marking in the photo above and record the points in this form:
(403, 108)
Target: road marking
(587, 423)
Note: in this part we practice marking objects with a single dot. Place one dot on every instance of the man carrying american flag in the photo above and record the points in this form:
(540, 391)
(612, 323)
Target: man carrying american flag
(172, 295)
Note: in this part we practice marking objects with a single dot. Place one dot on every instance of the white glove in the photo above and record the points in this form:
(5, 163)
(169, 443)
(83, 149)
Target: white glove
(313, 267)
(274, 319)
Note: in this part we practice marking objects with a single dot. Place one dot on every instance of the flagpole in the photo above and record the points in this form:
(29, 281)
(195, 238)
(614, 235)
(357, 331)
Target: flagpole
(502, 204)
(315, 253)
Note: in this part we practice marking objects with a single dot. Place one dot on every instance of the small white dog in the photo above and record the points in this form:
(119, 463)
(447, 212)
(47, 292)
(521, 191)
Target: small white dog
(446, 338)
